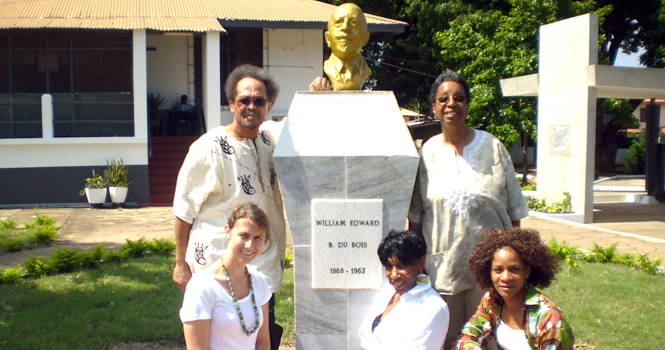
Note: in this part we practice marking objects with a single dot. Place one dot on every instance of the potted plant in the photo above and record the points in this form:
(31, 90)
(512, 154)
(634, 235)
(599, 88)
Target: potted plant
(118, 183)
(95, 189)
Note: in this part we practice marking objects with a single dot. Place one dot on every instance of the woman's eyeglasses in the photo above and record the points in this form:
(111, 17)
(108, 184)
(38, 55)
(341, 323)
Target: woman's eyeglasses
(246, 101)
(444, 99)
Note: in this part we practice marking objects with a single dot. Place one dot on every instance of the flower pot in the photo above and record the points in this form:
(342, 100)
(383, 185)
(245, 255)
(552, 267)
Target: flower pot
(118, 194)
(96, 195)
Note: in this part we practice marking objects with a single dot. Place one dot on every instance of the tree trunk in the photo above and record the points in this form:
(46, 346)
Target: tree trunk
(525, 159)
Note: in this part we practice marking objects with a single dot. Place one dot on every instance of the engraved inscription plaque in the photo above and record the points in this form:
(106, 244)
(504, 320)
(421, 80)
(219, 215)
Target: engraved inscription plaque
(560, 138)
(345, 236)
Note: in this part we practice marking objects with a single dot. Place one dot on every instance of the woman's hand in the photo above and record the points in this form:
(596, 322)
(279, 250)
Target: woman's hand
(197, 334)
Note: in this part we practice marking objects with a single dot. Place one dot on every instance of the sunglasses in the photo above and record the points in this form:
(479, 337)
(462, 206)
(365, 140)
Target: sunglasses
(459, 99)
(246, 101)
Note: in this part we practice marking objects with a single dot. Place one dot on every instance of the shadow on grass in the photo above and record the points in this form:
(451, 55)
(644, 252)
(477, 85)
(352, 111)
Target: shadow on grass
(129, 302)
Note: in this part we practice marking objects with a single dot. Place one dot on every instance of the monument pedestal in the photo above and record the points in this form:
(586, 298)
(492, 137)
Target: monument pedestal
(340, 154)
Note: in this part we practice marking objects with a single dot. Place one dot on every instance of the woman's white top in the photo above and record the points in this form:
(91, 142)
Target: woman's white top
(511, 339)
(456, 198)
(205, 299)
(418, 321)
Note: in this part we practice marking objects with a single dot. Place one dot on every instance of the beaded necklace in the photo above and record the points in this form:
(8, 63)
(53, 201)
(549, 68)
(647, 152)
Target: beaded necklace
(235, 300)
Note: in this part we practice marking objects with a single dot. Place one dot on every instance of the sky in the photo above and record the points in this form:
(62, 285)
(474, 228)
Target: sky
(632, 60)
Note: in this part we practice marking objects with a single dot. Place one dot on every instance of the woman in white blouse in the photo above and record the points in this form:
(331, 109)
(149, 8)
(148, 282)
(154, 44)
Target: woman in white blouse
(225, 304)
(466, 184)
(408, 313)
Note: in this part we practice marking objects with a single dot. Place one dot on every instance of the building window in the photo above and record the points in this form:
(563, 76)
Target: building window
(89, 75)
(239, 46)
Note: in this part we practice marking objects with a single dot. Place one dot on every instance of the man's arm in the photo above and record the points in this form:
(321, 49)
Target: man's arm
(181, 273)
(320, 84)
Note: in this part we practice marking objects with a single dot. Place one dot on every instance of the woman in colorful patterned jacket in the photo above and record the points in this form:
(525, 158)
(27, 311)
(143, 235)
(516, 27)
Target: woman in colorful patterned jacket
(512, 263)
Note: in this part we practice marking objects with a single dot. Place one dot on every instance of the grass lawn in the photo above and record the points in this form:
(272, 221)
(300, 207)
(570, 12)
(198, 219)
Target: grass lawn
(120, 303)
(610, 307)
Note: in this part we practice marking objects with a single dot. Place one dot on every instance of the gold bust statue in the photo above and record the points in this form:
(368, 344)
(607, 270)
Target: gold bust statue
(346, 35)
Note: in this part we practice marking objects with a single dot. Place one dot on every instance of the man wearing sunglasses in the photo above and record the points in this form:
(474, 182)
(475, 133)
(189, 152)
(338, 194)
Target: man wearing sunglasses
(228, 166)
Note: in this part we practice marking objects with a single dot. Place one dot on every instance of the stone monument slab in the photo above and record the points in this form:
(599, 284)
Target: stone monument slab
(340, 145)
(345, 236)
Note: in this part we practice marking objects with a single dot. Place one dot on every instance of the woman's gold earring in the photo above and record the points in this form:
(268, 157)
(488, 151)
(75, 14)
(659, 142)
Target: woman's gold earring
(422, 279)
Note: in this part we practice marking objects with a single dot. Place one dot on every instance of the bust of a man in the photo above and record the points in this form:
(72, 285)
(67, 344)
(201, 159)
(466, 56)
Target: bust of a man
(346, 35)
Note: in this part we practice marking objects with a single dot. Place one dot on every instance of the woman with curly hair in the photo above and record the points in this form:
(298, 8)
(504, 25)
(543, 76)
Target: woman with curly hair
(512, 263)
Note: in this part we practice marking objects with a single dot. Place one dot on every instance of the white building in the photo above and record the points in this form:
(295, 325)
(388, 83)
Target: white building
(74, 76)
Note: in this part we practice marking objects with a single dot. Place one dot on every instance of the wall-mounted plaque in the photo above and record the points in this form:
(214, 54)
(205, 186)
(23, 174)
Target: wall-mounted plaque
(560, 138)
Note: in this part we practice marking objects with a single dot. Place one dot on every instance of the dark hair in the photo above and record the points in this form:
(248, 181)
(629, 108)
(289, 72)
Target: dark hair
(252, 212)
(449, 75)
(183, 99)
(526, 243)
(407, 246)
(248, 71)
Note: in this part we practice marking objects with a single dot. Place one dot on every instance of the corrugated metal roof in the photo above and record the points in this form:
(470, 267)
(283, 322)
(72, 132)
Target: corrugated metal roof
(171, 15)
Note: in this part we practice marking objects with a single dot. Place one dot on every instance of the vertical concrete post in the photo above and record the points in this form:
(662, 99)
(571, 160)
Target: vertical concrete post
(140, 73)
(567, 112)
(651, 153)
(47, 116)
(212, 86)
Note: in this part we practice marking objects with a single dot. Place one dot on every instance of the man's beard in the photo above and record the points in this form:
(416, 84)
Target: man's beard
(249, 125)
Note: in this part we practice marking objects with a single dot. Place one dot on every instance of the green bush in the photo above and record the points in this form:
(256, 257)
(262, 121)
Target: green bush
(557, 208)
(46, 234)
(11, 275)
(36, 267)
(67, 260)
(567, 253)
(13, 245)
(571, 255)
(635, 158)
(9, 224)
(141, 247)
(41, 220)
(529, 187)
(288, 258)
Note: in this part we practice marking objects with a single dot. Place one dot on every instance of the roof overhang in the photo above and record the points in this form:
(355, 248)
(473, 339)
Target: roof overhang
(179, 15)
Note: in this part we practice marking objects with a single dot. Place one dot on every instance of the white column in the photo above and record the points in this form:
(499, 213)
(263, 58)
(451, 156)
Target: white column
(212, 85)
(140, 73)
(47, 116)
(567, 112)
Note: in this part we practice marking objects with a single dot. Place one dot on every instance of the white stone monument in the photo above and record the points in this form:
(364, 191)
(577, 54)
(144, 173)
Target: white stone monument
(568, 82)
(346, 165)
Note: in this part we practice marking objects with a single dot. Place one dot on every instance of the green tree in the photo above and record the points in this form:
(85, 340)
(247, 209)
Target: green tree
(488, 40)
(488, 45)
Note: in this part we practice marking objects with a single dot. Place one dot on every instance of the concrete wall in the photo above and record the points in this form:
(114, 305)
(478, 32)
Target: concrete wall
(37, 171)
(171, 67)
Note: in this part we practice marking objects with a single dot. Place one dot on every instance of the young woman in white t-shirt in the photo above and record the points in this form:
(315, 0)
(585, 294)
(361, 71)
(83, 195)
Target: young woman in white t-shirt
(225, 304)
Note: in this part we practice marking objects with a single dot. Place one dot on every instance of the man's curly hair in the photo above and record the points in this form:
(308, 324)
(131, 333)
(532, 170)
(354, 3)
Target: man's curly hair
(544, 264)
